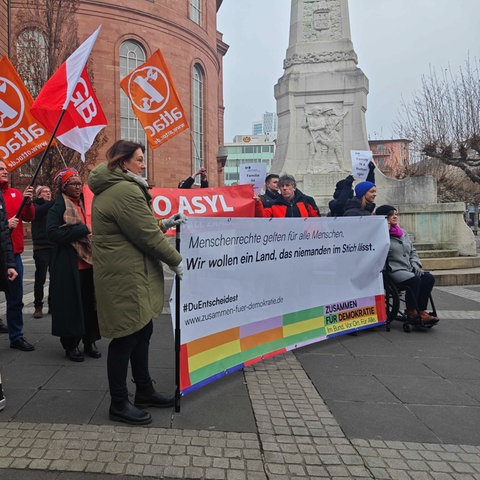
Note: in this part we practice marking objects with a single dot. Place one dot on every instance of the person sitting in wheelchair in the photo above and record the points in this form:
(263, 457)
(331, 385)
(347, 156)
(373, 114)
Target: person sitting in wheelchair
(405, 269)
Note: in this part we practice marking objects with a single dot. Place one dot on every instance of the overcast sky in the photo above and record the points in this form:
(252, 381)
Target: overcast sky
(396, 41)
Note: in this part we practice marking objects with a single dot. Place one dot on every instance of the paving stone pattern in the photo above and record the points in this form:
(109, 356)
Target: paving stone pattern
(296, 436)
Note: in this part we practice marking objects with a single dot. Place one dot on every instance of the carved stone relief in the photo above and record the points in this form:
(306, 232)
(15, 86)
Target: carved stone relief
(324, 137)
(322, 20)
(324, 57)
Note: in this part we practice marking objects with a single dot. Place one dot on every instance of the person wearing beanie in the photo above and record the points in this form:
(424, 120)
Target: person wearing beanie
(343, 192)
(362, 203)
(72, 299)
(42, 248)
(405, 269)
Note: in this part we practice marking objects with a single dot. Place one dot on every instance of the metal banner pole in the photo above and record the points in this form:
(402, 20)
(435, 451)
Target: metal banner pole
(177, 328)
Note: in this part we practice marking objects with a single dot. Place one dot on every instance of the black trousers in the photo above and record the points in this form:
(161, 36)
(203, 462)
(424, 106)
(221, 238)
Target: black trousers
(133, 348)
(418, 291)
(42, 266)
(90, 319)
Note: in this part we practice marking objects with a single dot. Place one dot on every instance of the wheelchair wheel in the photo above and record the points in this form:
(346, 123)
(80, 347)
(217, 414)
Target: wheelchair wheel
(392, 300)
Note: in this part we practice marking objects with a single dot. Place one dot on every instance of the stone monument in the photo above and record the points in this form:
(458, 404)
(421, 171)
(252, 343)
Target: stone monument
(321, 99)
(321, 104)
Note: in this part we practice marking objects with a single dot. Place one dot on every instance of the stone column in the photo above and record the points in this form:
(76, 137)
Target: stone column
(321, 99)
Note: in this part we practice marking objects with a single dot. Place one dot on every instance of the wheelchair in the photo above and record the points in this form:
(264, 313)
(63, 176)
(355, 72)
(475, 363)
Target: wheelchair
(394, 300)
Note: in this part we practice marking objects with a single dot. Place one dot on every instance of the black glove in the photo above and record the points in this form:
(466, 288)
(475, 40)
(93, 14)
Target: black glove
(349, 180)
(371, 166)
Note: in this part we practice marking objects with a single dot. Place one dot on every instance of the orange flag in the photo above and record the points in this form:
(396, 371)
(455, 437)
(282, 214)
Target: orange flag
(21, 136)
(155, 100)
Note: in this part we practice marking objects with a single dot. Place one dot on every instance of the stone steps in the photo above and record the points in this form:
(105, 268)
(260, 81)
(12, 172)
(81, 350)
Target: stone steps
(437, 253)
(454, 270)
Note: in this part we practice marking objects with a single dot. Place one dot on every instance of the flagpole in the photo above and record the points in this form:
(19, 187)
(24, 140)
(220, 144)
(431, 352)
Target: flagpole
(177, 328)
(40, 163)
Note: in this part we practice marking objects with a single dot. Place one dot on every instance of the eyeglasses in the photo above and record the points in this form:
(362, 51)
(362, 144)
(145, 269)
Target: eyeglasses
(75, 185)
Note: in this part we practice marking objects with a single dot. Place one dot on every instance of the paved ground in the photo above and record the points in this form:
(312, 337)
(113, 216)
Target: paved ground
(381, 405)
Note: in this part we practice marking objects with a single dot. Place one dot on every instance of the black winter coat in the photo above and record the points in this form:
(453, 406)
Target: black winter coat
(39, 224)
(353, 208)
(269, 198)
(65, 288)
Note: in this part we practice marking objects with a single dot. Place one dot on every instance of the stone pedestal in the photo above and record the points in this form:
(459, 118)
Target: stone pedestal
(321, 104)
(321, 99)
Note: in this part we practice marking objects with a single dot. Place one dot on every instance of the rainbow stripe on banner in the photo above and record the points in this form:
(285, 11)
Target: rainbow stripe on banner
(211, 357)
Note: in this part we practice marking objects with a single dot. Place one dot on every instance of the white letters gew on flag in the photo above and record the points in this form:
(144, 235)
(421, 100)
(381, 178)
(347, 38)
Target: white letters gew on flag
(279, 265)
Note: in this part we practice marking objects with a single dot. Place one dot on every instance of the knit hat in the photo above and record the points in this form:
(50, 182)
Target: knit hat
(39, 189)
(63, 176)
(385, 210)
(362, 188)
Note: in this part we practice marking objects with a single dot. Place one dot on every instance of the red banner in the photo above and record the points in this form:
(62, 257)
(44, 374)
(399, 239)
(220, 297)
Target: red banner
(234, 201)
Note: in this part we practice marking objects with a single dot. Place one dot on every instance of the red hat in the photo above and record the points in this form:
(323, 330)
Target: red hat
(63, 176)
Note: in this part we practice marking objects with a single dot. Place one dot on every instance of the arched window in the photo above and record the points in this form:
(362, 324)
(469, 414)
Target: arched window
(32, 59)
(132, 55)
(196, 11)
(197, 122)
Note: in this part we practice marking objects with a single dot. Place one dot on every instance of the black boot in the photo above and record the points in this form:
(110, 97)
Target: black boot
(91, 350)
(147, 396)
(75, 355)
(128, 413)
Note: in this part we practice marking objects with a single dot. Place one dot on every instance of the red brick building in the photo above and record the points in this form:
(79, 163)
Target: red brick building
(391, 156)
(4, 29)
(186, 33)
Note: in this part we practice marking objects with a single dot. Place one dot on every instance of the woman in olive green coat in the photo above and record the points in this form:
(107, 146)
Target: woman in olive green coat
(128, 250)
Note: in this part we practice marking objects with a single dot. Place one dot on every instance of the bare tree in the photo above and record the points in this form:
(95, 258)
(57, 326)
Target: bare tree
(453, 185)
(443, 119)
(45, 35)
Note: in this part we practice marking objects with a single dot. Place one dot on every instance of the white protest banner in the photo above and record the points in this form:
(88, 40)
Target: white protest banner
(252, 174)
(256, 287)
(360, 161)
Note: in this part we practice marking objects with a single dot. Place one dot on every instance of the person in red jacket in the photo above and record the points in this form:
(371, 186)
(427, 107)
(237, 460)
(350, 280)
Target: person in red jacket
(13, 199)
(290, 203)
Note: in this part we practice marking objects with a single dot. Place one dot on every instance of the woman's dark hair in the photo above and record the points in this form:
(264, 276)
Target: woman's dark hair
(120, 152)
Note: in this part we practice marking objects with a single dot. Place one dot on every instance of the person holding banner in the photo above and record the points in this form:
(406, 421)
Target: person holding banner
(72, 297)
(291, 202)
(188, 182)
(128, 250)
(362, 204)
(405, 269)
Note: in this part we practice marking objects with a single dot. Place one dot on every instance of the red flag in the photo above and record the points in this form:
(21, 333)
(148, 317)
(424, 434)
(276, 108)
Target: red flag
(70, 89)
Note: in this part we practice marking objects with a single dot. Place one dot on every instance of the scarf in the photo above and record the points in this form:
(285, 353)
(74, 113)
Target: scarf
(72, 216)
(138, 178)
(395, 231)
